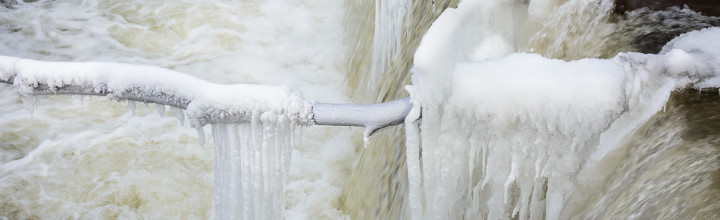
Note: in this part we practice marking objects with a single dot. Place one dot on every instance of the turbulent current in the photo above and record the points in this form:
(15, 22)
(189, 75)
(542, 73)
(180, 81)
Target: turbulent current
(522, 109)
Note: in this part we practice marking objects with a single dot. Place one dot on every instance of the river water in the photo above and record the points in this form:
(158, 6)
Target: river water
(89, 157)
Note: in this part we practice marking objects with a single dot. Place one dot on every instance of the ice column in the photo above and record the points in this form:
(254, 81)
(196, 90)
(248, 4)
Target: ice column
(251, 167)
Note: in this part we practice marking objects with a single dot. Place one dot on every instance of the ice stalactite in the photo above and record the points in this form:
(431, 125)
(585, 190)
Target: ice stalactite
(390, 15)
(252, 125)
(251, 168)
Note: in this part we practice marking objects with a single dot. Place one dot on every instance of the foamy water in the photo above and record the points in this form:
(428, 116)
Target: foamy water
(494, 133)
(93, 158)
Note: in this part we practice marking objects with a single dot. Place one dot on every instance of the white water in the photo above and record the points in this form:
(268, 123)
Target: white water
(94, 158)
(492, 142)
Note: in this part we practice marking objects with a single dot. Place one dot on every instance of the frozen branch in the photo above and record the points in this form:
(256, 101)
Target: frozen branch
(205, 102)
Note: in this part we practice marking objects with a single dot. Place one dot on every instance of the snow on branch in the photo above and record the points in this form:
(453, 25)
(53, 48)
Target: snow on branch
(205, 102)
(371, 116)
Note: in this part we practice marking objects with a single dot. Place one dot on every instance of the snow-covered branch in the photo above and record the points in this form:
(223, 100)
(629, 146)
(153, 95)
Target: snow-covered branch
(204, 102)
(371, 116)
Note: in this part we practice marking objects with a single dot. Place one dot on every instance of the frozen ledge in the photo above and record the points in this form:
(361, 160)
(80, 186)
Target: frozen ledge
(205, 102)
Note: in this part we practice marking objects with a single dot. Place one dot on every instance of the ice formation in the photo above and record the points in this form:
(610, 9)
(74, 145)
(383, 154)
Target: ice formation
(252, 164)
(204, 102)
(252, 159)
(252, 125)
(389, 18)
(273, 42)
(513, 136)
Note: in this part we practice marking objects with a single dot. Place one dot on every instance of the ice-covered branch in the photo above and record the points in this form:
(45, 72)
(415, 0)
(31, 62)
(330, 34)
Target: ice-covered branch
(371, 116)
(205, 102)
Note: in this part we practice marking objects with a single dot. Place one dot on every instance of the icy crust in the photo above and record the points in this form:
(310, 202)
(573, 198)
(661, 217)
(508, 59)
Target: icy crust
(205, 102)
(514, 137)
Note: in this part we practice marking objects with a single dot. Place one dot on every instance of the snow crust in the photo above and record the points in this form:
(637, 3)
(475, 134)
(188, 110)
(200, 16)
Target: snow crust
(512, 135)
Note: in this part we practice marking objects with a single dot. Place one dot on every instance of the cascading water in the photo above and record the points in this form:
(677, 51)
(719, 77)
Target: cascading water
(378, 185)
(494, 134)
(528, 165)
(94, 158)
(511, 135)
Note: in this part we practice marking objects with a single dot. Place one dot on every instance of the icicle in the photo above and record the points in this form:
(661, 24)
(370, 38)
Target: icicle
(412, 143)
(389, 18)
(160, 109)
(179, 114)
(247, 160)
(201, 136)
(252, 163)
(131, 105)
(81, 98)
(228, 172)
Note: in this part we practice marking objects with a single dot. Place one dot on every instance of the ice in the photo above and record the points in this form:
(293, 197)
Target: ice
(371, 116)
(275, 42)
(389, 18)
(252, 125)
(201, 136)
(179, 114)
(253, 163)
(412, 136)
(258, 149)
(513, 135)
(205, 102)
(160, 109)
(131, 105)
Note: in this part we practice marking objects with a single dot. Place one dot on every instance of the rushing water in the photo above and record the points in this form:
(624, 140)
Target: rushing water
(71, 157)
(568, 30)
(94, 158)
